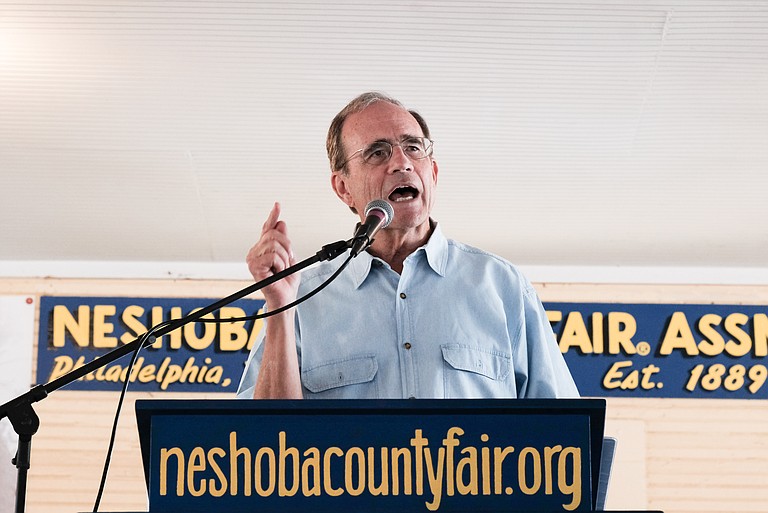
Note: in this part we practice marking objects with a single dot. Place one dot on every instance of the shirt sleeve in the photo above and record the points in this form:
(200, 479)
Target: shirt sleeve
(540, 369)
(248, 379)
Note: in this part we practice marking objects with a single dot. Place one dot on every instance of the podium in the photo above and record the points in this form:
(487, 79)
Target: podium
(511, 455)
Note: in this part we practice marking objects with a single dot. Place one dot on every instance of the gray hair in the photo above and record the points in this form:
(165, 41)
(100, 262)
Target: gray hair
(333, 145)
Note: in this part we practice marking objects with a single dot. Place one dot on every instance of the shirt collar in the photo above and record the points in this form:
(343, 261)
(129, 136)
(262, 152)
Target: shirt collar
(436, 250)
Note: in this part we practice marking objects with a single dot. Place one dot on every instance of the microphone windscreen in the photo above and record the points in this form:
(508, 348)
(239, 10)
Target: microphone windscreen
(382, 206)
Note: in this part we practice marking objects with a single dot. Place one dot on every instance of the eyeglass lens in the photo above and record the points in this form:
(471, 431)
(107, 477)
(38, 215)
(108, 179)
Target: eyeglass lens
(381, 151)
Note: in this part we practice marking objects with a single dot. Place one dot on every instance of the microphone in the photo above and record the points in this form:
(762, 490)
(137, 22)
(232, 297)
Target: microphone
(378, 215)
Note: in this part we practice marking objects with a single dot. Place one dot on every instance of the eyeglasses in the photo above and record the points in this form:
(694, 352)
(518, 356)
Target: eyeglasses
(381, 151)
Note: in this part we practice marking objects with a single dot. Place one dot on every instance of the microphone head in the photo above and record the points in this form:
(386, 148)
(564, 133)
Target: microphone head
(379, 205)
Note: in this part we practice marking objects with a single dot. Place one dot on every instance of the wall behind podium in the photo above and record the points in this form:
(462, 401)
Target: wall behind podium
(677, 455)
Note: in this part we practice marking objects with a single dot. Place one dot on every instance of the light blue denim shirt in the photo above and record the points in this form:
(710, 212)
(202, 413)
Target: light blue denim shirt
(458, 323)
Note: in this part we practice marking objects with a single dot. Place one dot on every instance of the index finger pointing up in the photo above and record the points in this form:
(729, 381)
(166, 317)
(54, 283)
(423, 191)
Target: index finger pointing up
(271, 221)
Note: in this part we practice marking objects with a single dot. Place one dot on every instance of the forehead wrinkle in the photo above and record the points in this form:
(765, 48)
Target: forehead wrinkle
(378, 117)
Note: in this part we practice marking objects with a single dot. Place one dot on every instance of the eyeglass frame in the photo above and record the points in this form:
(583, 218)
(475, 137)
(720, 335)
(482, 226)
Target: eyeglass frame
(428, 150)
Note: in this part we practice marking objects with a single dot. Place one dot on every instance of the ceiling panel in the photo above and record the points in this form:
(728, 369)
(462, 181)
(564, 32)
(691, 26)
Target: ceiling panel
(605, 133)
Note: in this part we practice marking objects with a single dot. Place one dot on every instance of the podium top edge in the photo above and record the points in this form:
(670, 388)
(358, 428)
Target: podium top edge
(391, 405)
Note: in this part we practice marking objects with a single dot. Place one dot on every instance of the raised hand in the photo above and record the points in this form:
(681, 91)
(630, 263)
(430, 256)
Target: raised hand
(270, 255)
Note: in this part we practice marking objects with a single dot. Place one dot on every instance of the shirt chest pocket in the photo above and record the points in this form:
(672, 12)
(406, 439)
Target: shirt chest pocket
(472, 372)
(350, 378)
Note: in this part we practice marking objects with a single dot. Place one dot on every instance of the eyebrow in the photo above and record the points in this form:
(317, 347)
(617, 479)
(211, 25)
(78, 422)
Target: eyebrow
(401, 139)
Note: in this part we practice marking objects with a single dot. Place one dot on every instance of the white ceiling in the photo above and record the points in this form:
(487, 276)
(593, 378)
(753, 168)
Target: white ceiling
(602, 133)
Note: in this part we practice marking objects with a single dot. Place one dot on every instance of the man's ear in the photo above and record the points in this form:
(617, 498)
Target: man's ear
(339, 184)
(434, 171)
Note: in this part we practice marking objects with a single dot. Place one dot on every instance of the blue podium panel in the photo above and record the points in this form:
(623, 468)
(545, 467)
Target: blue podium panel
(388, 455)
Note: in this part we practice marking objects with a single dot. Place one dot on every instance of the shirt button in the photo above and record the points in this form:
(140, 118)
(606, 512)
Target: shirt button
(402, 295)
(407, 345)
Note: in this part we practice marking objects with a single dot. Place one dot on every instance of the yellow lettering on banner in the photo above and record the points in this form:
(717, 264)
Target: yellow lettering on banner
(209, 332)
(327, 485)
(157, 318)
(622, 326)
(383, 487)
(232, 335)
(549, 453)
(418, 442)
(435, 476)
(521, 471)
(467, 464)
(284, 453)
(405, 454)
(597, 333)
(486, 459)
(678, 336)
(64, 322)
(575, 334)
(499, 454)
(259, 475)
(165, 455)
(172, 376)
(162, 369)
(450, 442)
(196, 464)
(574, 487)
(348, 476)
(175, 335)
(760, 322)
(147, 374)
(648, 371)
(217, 491)
(234, 454)
(615, 378)
(134, 327)
(713, 343)
(312, 462)
(113, 373)
(202, 473)
(101, 328)
(63, 364)
(94, 326)
(733, 324)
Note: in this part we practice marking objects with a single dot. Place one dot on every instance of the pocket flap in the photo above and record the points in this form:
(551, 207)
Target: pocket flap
(339, 373)
(490, 364)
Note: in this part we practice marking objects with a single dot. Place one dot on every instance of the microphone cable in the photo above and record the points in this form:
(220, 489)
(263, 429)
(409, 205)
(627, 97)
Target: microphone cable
(276, 311)
(149, 337)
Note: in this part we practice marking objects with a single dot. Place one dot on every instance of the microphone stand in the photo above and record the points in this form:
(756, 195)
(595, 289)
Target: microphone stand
(22, 416)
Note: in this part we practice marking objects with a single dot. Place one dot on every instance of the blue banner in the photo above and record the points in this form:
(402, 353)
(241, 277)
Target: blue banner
(365, 456)
(612, 350)
(200, 357)
(664, 350)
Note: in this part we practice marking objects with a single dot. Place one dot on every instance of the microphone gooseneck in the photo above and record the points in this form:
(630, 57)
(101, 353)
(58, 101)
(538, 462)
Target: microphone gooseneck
(378, 215)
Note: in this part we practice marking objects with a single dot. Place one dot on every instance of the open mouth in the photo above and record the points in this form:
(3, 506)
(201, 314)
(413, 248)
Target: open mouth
(403, 193)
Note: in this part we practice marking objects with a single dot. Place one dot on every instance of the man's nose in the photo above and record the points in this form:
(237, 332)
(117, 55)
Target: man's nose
(399, 161)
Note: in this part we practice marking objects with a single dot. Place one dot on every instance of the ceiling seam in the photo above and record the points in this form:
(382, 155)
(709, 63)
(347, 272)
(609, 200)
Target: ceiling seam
(199, 196)
(652, 79)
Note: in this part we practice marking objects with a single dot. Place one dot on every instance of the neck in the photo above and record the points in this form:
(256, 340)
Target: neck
(393, 246)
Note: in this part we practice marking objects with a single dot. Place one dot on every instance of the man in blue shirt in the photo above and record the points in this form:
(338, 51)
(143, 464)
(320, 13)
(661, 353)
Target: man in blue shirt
(417, 315)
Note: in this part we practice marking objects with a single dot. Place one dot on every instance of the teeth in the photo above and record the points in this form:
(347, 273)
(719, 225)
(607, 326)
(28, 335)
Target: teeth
(402, 193)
